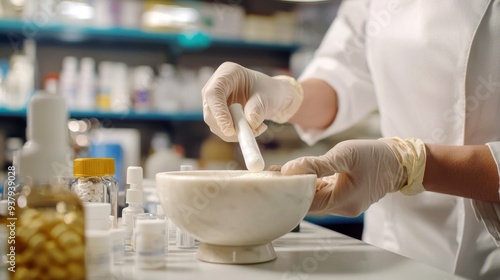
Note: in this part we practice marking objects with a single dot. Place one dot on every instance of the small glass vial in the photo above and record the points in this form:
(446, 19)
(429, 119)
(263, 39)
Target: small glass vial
(150, 245)
(93, 183)
(139, 217)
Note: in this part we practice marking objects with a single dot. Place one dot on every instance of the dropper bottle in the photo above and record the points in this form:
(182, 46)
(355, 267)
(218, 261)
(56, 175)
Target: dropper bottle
(134, 200)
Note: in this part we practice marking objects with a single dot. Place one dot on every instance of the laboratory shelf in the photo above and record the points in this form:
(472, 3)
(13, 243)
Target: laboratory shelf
(14, 31)
(129, 115)
(133, 115)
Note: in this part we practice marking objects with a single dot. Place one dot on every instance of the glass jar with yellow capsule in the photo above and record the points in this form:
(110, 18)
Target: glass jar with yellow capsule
(49, 238)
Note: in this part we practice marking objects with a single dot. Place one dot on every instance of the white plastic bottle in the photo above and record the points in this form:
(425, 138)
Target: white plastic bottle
(163, 158)
(134, 199)
(103, 100)
(143, 80)
(120, 88)
(150, 244)
(166, 91)
(87, 85)
(68, 80)
(46, 154)
(98, 254)
(19, 83)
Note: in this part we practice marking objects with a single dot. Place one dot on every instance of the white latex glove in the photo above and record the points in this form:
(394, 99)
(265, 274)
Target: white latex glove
(357, 173)
(262, 97)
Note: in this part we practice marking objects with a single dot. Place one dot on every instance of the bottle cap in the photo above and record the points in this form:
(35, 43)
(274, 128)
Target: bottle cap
(150, 226)
(134, 175)
(97, 215)
(4, 206)
(87, 167)
(134, 196)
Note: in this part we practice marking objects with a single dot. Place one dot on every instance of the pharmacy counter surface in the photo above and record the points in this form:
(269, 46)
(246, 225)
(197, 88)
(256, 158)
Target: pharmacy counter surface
(313, 253)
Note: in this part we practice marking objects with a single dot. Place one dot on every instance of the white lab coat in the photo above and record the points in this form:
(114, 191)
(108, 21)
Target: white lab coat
(432, 69)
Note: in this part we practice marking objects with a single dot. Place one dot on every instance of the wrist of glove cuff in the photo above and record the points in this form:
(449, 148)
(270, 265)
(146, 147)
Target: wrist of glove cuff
(412, 154)
(297, 95)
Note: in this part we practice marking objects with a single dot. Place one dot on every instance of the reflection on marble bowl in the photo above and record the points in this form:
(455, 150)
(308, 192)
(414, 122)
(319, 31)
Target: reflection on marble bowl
(235, 214)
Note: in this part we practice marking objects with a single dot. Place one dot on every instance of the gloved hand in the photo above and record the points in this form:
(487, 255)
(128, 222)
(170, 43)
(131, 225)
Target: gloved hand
(262, 97)
(357, 173)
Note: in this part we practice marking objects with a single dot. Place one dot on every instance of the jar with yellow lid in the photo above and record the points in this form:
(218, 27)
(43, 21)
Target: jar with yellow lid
(93, 182)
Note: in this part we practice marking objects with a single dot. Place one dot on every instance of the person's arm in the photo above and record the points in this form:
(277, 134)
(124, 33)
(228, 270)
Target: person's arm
(319, 106)
(466, 171)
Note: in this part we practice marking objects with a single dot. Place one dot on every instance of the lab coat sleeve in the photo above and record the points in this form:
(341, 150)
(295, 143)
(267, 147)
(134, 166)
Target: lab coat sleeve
(488, 212)
(341, 61)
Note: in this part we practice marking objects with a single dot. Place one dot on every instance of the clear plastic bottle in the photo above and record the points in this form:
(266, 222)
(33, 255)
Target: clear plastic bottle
(92, 183)
(134, 200)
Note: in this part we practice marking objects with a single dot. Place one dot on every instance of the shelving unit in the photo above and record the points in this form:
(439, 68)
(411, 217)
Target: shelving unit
(130, 115)
(13, 32)
(44, 33)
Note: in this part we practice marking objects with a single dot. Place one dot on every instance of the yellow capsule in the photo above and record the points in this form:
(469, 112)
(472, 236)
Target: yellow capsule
(33, 273)
(57, 256)
(58, 230)
(36, 241)
(29, 229)
(76, 253)
(56, 272)
(69, 239)
(28, 215)
(21, 273)
(76, 270)
(71, 217)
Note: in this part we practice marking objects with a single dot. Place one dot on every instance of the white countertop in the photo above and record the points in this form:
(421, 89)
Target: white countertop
(313, 253)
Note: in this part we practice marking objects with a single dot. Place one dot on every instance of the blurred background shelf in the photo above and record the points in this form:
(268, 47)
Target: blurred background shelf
(14, 31)
(130, 115)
